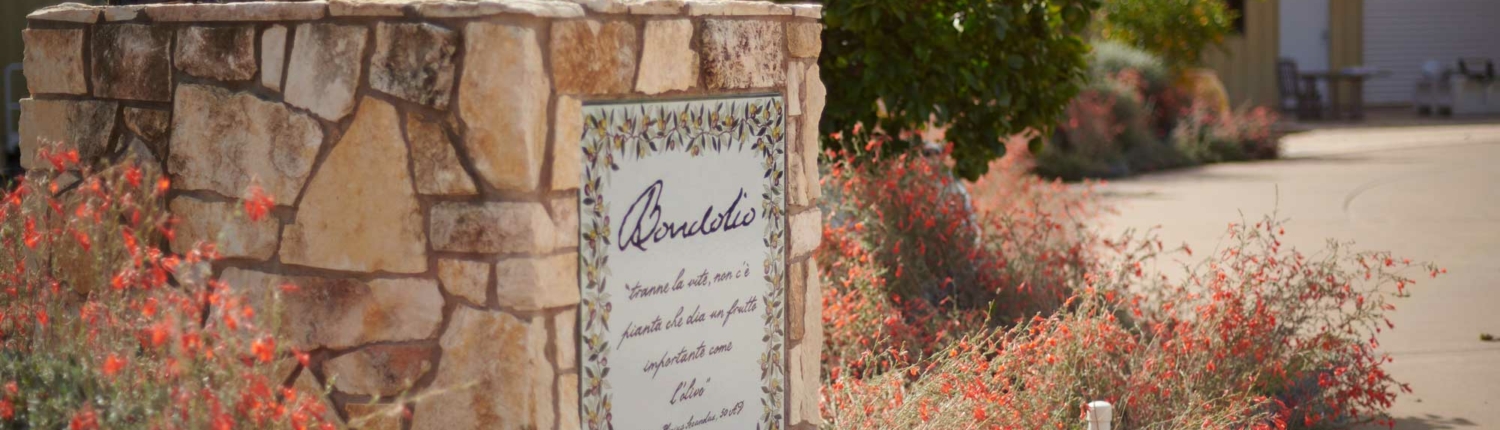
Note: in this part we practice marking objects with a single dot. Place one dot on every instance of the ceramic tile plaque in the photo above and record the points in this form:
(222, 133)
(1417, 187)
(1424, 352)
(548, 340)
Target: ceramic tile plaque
(683, 266)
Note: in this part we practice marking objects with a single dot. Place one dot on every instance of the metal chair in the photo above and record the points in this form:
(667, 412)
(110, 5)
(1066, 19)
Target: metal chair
(1295, 95)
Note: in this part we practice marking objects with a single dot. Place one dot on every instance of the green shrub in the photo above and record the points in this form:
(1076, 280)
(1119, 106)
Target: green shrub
(1111, 57)
(985, 69)
(1177, 30)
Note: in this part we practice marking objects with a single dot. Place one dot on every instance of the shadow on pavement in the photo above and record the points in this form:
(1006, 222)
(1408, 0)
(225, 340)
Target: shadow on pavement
(1431, 422)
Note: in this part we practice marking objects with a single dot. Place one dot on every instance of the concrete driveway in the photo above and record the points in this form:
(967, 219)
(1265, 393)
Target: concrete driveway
(1428, 193)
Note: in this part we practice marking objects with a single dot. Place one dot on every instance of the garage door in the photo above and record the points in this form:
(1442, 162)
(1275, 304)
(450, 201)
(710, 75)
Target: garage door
(1402, 34)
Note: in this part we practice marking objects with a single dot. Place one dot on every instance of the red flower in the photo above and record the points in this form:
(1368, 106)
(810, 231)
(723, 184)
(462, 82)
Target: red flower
(264, 349)
(259, 203)
(112, 365)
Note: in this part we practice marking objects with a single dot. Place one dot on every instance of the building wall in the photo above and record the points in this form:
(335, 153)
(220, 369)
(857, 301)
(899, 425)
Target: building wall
(425, 162)
(1247, 62)
(1400, 35)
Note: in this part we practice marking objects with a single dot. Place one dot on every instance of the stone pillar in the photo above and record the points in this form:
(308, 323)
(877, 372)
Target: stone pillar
(424, 160)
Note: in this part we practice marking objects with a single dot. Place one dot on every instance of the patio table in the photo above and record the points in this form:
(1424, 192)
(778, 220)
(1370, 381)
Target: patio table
(1356, 77)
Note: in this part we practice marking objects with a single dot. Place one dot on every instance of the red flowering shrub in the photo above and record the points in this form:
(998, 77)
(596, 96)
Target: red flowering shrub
(911, 262)
(1256, 335)
(99, 328)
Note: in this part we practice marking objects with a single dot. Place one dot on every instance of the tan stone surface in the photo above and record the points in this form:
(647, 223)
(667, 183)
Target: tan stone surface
(803, 380)
(387, 8)
(223, 53)
(238, 12)
(149, 124)
(503, 102)
(565, 220)
(567, 401)
(797, 182)
(54, 61)
(434, 160)
(807, 10)
(467, 279)
(742, 54)
(796, 300)
(794, 73)
(221, 140)
(474, 9)
(593, 57)
(122, 13)
(414, 62)
(804, 39)
(325, 68)
(361, 211)
(494, 374)
(565, 340)
(657, 7)
(530, 284)
(225, 225)
(505, 227)
(567, 153)
(133, 62)
(81, 125)
(374, 417)
(344, 313)
(272, 57)
(806, 230)
(66, 12)
(668, 61)
(379, 370)
(736, 8)
(603, 6)
(812, 112)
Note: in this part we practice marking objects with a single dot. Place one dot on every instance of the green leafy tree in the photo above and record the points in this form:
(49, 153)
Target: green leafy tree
(1177, 30)
(984, 68)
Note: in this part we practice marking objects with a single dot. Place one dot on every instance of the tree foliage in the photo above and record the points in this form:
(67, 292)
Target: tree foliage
(1177, 30)
(984, 68)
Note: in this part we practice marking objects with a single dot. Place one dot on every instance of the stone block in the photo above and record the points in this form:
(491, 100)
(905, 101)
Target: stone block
(567, 152)
(475, 9)
(467, 279)
(504, 94)
(414, 62)
(796, 300)
(536, 283)
(797, 182)
(593, 57)
(812, 111)
(132, 61)
(741, 54)
(736, 8)
(379, 370)
(565, 220)
(803, 380)
(494, 374)
(806, 229)
(223, 224)
(504, 227)
(794, 72)
(668, 62)
(340, 313)
(238, 12)
(222, 53)
(382, 8)
(375, 416)
(603, 6)
(360, 212)
(150, 124)
(657, 7)
(222, 140)
(307, 384)
(66, 12)
(804, 39)
(53, 61)
(81, 125)
(122, 13)
(272, 57)
(567, 401)
(814, 11)
(325, 68)
(565, 339)
(434, 161)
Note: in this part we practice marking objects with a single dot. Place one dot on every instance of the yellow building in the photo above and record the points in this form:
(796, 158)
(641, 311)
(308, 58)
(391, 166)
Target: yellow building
(1394, 36)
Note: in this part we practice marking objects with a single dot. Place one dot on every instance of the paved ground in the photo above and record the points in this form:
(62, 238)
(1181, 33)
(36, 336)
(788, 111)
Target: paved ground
(1429, 193)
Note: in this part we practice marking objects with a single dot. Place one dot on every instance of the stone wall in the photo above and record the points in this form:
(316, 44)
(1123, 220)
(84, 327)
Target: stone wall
(424, 160)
